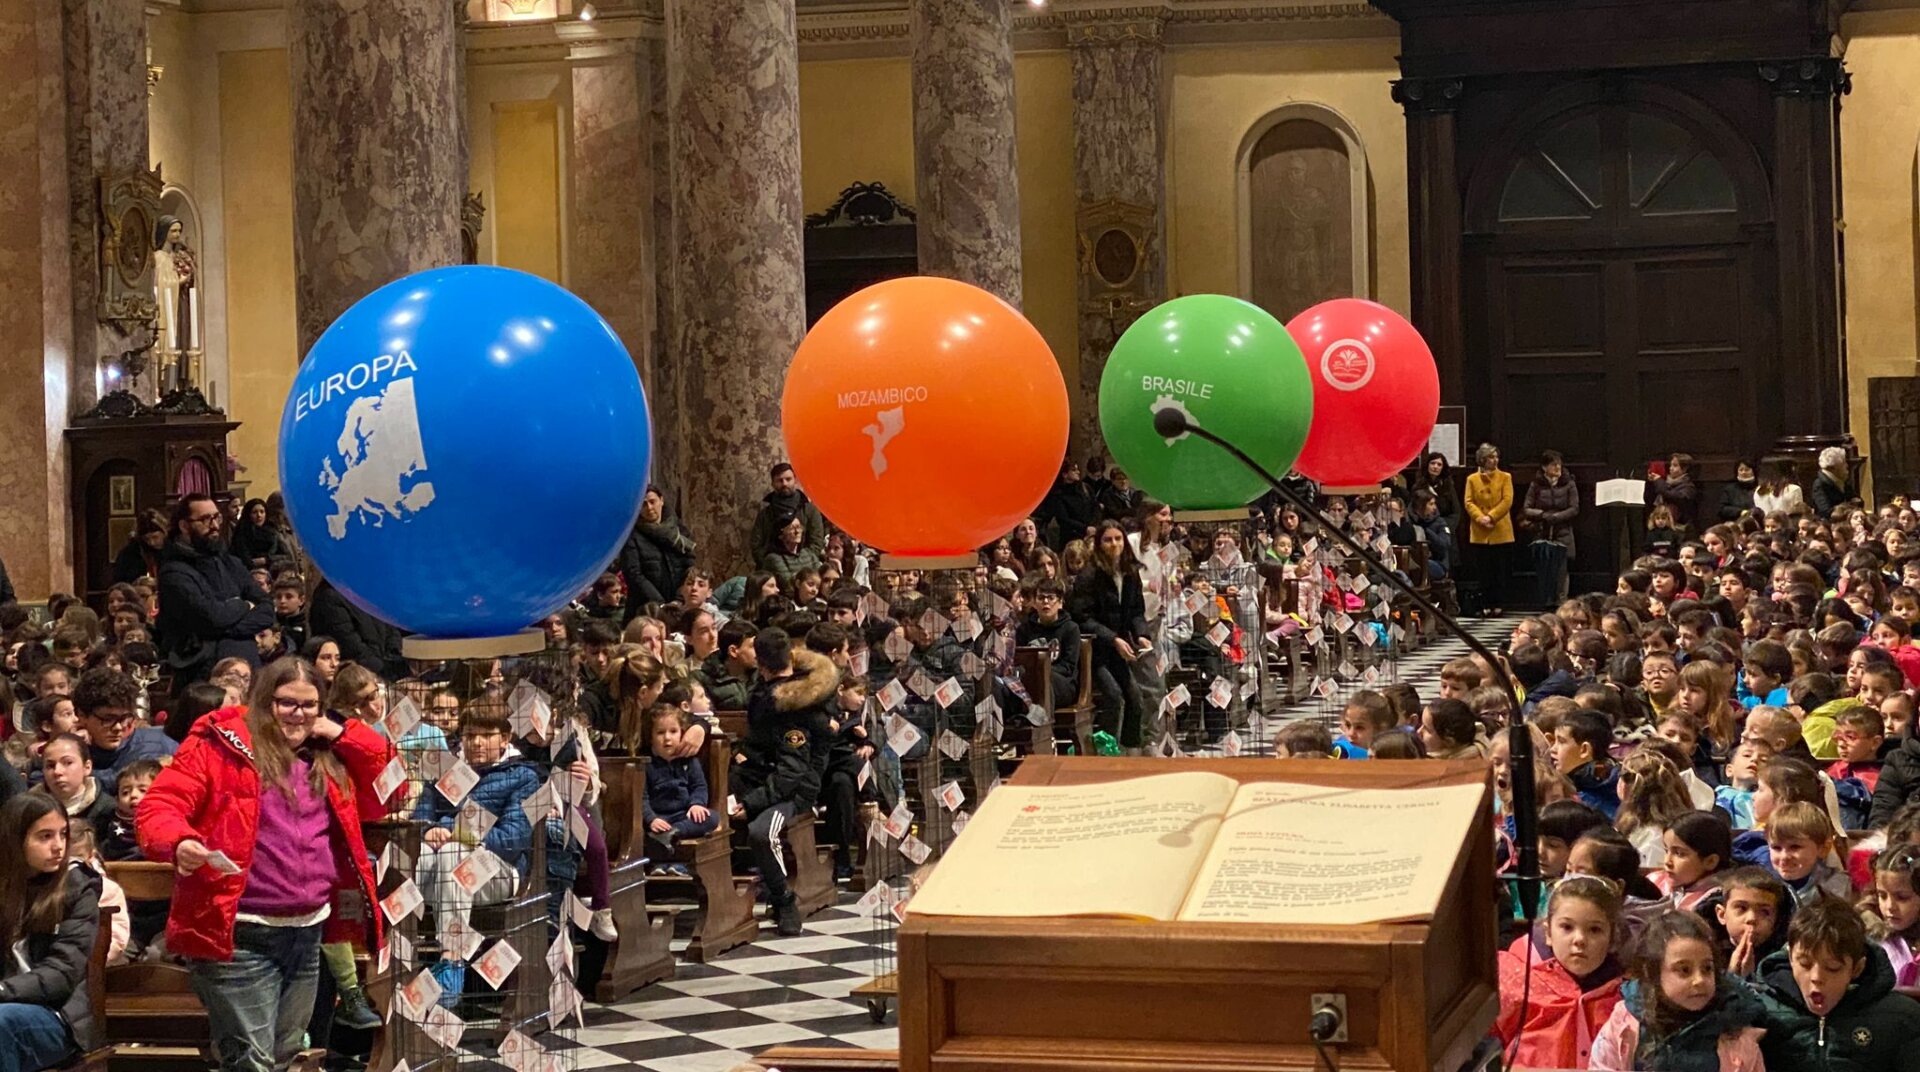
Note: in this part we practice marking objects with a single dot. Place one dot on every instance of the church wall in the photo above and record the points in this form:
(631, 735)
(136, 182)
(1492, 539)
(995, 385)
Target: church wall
(1221, 92)
(856, 125)
(256, 176)
(170, 104)
(1879, 133)
(516, 121)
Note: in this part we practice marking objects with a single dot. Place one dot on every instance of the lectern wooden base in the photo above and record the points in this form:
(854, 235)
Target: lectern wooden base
(1093, 995)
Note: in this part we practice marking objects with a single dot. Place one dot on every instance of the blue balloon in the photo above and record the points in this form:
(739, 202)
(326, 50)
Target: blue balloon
(465, 450)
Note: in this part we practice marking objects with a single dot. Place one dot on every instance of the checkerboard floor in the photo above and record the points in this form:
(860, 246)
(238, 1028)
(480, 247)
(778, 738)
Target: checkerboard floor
(710, 1017)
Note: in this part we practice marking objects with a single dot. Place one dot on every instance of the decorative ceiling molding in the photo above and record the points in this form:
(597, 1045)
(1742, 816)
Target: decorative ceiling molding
(855, 28)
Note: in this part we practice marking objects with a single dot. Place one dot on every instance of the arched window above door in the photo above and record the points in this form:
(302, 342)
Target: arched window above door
(1619, 162)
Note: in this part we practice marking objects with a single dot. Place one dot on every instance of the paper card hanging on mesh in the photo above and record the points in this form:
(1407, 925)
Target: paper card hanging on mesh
(539, 804)
(950, 796)
(1231, 745)
(951, 745)
(414, 997)
(568, 791)
(872, 901)
(897, 646)
(1168, 748)
(935, 623)
(1179, 696)
(404, 901)
(575, 911)
(877, 833)
(902, 735)
(401, 947)
(390, 779)
(560, 953)
(987, 715)
(873, 605)
(1249, 688)
(916, 850)
(1000, 646)
(865, 775)
(947, 693)
(563, 998)
(518, 1052)
(857, 662)
(474, 822)
(1313, 635)
(1221, 693)
(458, 937)
(922, 684)
(1219, 634)
(995, 607)
(972, 666)
(960, 821)
(899, 820)
(432, 762)
(891, 695)
(443, 1027)
(965, 629)
(1370, 676)
(1347, 669)
(402, 718)
(1361, 584)
(456, 782)
(1326, 689)
(473, 872)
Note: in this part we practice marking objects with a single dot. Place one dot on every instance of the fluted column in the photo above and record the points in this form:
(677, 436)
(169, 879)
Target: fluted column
(739, 292)
(966, 179)
(377, 148)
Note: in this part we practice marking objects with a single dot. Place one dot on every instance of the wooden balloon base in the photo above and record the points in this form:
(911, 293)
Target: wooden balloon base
(1356, 492)
(928, 562)
(1235, 514)
(436, 649)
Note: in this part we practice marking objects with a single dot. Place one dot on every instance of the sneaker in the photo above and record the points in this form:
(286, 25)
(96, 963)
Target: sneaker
(354, 1012)
(679, 871)
(603, 927)
(786, 918)
(843, 872)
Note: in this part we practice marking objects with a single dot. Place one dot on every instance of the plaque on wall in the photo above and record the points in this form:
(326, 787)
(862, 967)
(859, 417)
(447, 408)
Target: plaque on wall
(129, 211)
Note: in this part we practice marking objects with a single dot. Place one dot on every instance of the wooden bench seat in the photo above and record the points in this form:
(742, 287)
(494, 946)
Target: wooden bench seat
(641, 955)
(148, 1012)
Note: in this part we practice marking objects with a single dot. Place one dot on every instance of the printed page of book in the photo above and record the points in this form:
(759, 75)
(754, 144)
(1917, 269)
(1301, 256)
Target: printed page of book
(1127, 848)
(1320, 855)
(1620, 493)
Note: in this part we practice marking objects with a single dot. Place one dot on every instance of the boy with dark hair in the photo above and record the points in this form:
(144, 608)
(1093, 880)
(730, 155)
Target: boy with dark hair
(776, 776)
(1764, 674)
(106, 701)
(1458, 678)
(290, 612)
(1830, 1001)
(1749, 913)
(843, 606)
(727, 673)
(1048, 625)
(1859, 731)
(1535, 675)
(114, 832)
(1303, 740)
(1579, 751)
(1562, 823)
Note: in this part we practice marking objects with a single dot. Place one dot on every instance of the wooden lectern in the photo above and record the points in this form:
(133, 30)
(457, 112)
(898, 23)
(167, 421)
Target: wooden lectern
(1092, 995)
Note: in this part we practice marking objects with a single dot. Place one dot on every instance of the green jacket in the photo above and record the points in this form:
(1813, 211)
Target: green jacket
(727, 692)
(1872, 1029)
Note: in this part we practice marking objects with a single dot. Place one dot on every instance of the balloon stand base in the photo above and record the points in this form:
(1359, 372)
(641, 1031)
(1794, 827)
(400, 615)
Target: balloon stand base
(928, 562)
(1238, 513)
(1356, 491)
(436, 649)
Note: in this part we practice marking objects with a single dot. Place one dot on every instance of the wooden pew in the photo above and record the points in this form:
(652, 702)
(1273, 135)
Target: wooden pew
(1033, 663)
(641, 955)
(726, 906)
(1073, 720)
(809, 874)
(100, 1058)
(148, 1012)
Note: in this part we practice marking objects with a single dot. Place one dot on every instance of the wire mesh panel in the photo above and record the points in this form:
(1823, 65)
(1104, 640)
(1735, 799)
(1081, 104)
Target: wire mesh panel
(488, 830)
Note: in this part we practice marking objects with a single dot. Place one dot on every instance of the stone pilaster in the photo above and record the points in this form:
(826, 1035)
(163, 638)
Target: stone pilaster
(966, 179)
(1806, 196)
(1120, 88)
(1435, 224)
(610, 254)
(37, 319)
(106, 133)
(377, 161)
(739, 291)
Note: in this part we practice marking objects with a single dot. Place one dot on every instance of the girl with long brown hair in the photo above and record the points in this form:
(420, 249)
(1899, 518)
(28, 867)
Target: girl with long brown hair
(49, 914)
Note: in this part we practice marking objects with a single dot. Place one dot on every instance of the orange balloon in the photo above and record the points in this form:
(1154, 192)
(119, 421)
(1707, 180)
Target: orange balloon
(925, 416)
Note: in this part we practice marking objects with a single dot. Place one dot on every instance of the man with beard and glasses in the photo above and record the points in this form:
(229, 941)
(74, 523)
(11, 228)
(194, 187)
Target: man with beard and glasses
(210, 606)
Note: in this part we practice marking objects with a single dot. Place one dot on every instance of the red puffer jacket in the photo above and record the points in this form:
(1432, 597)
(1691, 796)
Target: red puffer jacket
(211, 794)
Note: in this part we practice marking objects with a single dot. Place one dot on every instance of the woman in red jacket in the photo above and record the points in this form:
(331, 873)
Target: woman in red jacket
(279, 775)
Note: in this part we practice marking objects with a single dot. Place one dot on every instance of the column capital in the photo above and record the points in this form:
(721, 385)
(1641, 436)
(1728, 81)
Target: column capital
(1125, 22)
(1813, 77)
(1428, 96)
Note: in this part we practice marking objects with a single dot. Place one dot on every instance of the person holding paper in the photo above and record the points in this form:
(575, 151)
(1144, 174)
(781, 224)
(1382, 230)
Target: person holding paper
(272, 773)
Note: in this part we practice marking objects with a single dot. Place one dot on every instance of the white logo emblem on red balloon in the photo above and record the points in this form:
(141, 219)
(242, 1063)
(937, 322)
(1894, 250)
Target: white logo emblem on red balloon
(1347, 364)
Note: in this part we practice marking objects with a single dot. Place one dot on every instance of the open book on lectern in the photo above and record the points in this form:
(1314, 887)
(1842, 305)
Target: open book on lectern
(1202, 847)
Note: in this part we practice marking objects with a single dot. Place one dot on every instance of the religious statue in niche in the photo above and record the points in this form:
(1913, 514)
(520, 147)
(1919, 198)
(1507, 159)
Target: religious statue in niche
(174, 280)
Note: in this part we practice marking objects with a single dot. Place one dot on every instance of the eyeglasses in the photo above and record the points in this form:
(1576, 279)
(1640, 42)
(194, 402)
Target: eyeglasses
(111, 717)
(288, 707)
(206, 520)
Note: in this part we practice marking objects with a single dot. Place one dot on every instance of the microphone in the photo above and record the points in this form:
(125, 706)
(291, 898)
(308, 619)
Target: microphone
(1170, 423)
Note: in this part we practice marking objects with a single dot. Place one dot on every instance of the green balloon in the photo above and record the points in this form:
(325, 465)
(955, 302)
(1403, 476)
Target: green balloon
(1235, 371)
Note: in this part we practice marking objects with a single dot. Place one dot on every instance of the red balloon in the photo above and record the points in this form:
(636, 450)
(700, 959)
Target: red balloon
(1376, 392)
(925, 416)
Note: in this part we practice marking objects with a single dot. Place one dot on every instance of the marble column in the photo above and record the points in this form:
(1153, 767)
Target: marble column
(620, 217)
(965, 174)
(106, 133)
(1806, 204)
(739, 294)
(1434, 224)
(37, 319)
(1120, 88)
(377, 163)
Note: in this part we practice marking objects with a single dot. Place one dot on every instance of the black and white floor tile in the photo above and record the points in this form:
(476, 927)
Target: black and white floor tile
(711, 1017)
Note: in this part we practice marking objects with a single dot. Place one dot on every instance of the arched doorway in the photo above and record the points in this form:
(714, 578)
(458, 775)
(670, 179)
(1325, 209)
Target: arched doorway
(1619, 287)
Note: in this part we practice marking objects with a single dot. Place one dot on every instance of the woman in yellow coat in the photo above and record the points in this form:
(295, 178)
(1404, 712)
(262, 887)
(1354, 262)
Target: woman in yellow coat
(1489, 509)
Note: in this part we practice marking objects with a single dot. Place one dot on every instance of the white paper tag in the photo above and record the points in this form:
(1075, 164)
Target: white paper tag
(402, 718)
(899, 820)
(539, 804)
(221, 863)
(902, 736)
(916, 850)
(474, 871)
(443, 1027)
(1179, 696)
(404, 901)
(560, 954)
(391, 778)
(951, 746)
(951, 796)
(946, 693)
(517, 1051)
(577, 911)
(1219, 634)
(877, 833)
(921, 684)
(857, 663)
(495, 966)
(1230, 745)
(458, 937)
(865, 776)
(415, 996)
(892, 695)
(474, 822)
(960, 821)
(1221, 694)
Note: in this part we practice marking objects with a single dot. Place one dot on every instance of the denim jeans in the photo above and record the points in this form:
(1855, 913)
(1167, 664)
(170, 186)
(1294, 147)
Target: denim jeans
(32, 1037)
(259, 1003)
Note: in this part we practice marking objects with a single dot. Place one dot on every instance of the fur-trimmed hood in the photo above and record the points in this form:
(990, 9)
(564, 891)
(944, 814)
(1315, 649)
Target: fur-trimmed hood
(813, 682)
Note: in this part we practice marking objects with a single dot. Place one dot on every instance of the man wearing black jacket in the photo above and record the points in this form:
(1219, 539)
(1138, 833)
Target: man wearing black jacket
(1047, 624)
(210, 606)
(786, 499)
(777, 778)
(1073, 506)
(363, 638)
(656, 556)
